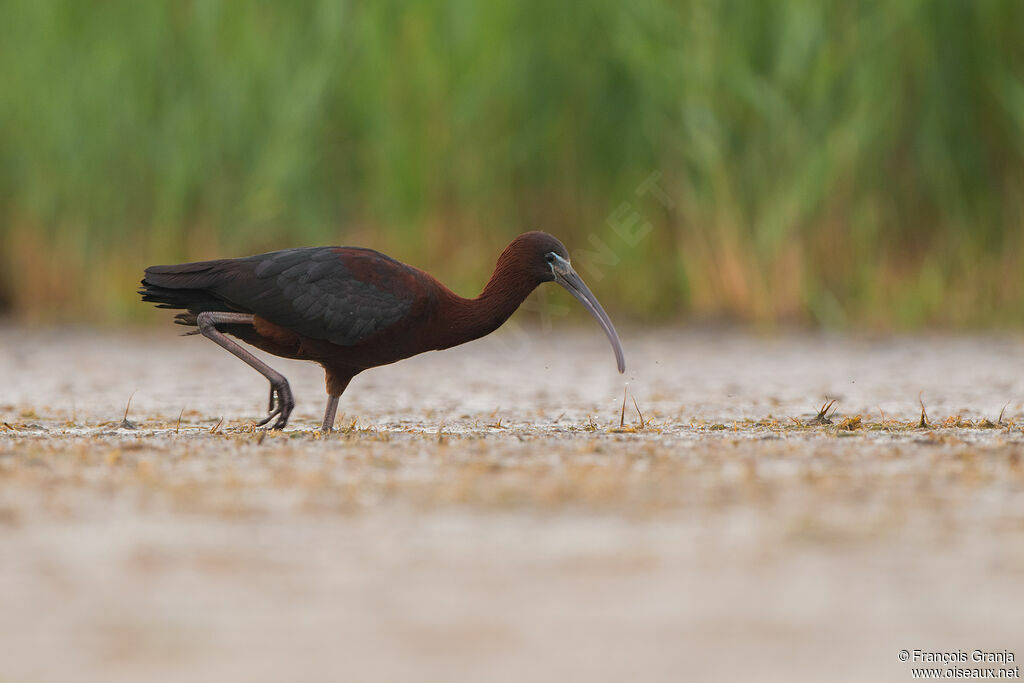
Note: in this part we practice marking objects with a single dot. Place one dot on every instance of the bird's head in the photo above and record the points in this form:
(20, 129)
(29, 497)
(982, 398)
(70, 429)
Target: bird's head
(546, 259)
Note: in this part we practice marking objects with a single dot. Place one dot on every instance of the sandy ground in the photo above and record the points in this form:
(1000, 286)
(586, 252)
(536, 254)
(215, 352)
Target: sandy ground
(479, 518)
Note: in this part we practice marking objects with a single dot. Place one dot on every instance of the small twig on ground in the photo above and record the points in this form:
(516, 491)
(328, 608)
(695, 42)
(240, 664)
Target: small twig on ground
(216, 427)
(1000, 420)
(923, 424)
(177, 426)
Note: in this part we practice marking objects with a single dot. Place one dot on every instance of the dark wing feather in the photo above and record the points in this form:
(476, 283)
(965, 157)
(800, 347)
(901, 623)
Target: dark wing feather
(342, 295)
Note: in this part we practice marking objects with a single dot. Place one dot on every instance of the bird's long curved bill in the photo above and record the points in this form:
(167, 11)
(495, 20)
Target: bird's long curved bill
(567, 277)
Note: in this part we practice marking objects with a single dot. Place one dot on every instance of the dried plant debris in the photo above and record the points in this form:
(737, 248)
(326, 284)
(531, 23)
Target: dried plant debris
(850, 424)
(125, 422)
(623, 428)
(823, 418)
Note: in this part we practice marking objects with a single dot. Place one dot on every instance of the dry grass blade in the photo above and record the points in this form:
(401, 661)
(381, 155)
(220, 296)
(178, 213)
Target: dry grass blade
(923, 424)
(622, 415)
(125, 422)
(822, 418)
(623, 428)
(641, 415)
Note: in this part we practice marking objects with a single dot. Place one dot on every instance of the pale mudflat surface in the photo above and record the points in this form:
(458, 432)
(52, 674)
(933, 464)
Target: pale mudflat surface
(480, 522)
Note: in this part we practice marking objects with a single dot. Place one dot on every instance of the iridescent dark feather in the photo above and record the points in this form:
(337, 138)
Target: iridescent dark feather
(320, 292)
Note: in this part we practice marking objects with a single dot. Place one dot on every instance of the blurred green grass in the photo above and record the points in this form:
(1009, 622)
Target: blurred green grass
(841, 163)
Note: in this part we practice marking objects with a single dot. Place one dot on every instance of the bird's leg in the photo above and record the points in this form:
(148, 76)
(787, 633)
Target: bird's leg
(329, 413)
(336, 383)
(279, 389)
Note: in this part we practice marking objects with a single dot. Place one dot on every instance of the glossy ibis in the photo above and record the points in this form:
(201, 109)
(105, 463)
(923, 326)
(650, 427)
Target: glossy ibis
(350, 309)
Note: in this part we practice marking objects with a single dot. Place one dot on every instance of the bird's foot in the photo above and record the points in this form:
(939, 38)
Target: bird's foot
(281, 405)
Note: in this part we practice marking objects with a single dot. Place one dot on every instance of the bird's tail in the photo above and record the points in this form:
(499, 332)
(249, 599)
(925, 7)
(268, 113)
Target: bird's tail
(184, 287)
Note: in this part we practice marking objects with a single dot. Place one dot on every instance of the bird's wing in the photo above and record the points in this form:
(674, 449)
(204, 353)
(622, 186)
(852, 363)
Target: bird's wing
(339, 294)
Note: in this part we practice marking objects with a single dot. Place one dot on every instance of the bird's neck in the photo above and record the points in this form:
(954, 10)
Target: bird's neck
(469, 319)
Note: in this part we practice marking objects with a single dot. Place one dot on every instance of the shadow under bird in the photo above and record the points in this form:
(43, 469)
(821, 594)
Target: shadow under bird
(350, 309)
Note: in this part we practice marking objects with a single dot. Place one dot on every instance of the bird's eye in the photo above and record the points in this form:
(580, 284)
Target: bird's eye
(549, 257)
